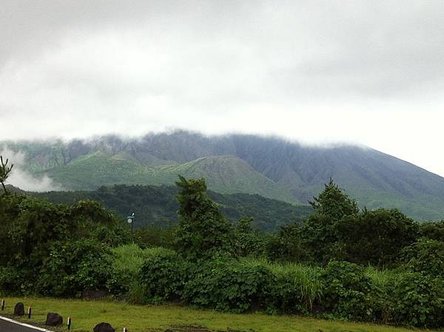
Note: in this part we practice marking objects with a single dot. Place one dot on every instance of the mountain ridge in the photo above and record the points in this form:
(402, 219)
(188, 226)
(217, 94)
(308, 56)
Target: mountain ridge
(268, 166)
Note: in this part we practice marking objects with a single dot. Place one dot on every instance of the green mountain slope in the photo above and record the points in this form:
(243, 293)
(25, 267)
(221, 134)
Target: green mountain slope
(268, 166)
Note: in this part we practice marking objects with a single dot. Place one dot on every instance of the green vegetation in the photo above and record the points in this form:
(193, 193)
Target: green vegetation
(137, 318)
(157, 206)
(312, 268)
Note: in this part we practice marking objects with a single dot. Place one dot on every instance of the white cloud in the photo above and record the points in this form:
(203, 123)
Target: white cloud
(22, 179)
(317, 71)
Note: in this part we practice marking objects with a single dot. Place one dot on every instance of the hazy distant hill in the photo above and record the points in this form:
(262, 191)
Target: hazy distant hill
(271, 167)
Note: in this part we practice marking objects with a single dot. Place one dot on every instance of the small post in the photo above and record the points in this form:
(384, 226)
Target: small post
(3, 304)
(130, 220)
(29, 312)
(125, 329)
(69, 323)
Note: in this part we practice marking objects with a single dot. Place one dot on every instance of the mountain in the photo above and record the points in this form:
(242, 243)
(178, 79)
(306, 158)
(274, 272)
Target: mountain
(268, 166)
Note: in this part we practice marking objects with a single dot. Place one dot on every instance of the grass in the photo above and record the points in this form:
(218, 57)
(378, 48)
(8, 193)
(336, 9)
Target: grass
(86, 314)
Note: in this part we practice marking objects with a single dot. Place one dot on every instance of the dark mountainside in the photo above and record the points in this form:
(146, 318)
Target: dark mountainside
(271, 167)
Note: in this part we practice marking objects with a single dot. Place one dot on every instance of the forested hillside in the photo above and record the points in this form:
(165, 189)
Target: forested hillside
(157, 205)
(271, 167)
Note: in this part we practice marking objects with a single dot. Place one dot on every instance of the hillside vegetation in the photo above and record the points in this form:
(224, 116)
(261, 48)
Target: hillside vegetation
(341, 262)
(157, 205)
(270, 167)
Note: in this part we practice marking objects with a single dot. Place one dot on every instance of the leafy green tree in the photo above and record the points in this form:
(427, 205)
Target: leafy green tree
(375, 237)
(203, 231)
(425, 256)
(319, 231)
(432, 230)
(288, 245)
(5, 170)
(248, 241)
(334, 203)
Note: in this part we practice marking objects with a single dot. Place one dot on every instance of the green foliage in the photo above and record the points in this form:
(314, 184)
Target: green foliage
(288, 245)
(128, 260)
(347, 291)
(296, 288)
(247, 241)
(375, 237)
(154, 236)
(229, 285)
(334, 203)
(203, 231)
(12, 280)
(156, 206)
(432, 230)
(73, 267)
(163, 276)
(320, 236)
(418, 300)
(425, 256)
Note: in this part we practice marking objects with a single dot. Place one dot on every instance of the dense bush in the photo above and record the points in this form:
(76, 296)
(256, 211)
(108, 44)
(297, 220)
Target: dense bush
(163, 277)
(425, 256)
(418, 300)
(128, 259)
(74, 267)
(229, 285)
(12, 281)
(347, 291)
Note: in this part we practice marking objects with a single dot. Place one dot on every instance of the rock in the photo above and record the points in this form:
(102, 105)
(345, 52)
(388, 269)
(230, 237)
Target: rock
(53, 319)
(19, 309)
(104, 327)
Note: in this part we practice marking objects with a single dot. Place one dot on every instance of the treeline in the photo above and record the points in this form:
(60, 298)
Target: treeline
(156, 206)
(341, 262)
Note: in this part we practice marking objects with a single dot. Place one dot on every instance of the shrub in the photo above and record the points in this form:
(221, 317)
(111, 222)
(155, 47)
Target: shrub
(347, 291)
(229, 285)
(418, 300)
(162, 277)
(12, 281)
(425, 256)
(73, 267)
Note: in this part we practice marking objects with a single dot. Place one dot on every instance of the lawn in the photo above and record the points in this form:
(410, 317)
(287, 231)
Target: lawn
(86, 314)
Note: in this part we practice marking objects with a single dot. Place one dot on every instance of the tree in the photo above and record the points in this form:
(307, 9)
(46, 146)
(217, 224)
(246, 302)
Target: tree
(4, 172)
(334, 203)
(319, 230)
(203, 231)
(375, 237)
(287, 245)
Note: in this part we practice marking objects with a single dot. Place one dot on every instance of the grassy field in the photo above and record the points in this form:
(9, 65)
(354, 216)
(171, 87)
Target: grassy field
(86, 314)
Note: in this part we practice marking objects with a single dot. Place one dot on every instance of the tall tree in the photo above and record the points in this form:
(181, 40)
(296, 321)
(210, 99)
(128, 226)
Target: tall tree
(320, 236)
(334, 203)
(203, 231)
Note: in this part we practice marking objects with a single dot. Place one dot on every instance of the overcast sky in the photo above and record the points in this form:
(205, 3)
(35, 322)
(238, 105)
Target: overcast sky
(365, 72)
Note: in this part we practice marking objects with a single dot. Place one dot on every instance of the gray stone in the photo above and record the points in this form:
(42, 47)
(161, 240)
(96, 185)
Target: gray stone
(104, 327)
(19, 309)
(53, 319)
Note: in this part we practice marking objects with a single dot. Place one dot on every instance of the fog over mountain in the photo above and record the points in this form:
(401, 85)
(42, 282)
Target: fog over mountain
(268, 166)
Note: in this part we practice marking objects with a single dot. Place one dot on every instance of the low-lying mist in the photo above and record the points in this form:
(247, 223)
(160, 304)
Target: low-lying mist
(22, 179)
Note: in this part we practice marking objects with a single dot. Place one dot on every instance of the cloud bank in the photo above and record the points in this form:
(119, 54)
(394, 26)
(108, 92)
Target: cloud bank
(369, 72)
(22, 179)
